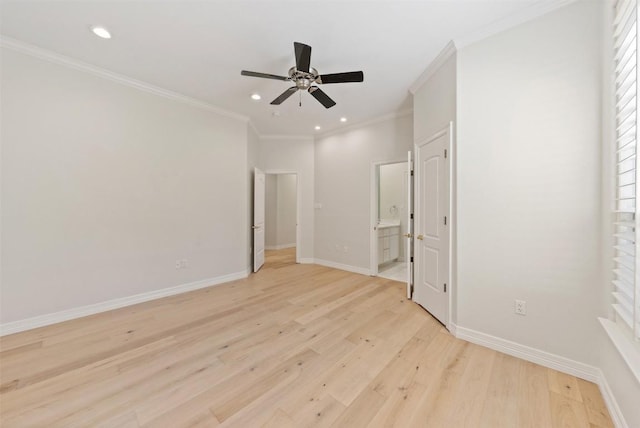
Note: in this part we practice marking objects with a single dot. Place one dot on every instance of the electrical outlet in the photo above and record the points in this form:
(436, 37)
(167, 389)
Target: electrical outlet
(178, 264)
(521, 307)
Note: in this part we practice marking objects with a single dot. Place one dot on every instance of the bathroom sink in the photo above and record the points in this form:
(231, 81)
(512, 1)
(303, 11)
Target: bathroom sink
(388, 223)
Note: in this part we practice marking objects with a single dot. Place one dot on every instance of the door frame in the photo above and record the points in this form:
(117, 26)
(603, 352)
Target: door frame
(373, 213)
(256, 225)
(452, 219)
(298, 202)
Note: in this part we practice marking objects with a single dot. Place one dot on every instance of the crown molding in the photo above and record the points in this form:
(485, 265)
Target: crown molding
(358, 125)
(527, 14)
(437, 62)
(534, 11)
(253, 127)
(271, 137)
(46, 55)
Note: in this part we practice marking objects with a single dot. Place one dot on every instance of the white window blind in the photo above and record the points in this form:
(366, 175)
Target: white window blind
(626, 290)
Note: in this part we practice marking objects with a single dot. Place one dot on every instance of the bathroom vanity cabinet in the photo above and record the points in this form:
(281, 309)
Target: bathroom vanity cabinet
(388, 243)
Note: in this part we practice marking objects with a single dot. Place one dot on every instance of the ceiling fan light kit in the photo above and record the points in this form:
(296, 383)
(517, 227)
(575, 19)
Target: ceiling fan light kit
(304, 76)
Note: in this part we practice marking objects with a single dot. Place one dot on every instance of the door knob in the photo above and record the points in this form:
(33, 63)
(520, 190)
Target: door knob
(420, 237)
(407, 235)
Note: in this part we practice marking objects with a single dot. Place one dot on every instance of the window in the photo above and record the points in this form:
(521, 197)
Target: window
(626, 289)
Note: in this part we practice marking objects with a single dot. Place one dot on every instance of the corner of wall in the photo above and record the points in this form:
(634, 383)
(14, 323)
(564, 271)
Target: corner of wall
(446, 52)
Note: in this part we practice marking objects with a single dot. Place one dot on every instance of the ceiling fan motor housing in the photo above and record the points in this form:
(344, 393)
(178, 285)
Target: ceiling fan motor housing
(303, 79)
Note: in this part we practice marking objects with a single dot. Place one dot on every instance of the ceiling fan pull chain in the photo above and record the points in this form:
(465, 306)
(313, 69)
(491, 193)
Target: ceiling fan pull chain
(300, 102)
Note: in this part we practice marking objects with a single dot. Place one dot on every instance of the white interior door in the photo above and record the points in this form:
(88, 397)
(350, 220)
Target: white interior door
(431, 250)
(258, 219)
(408, 254)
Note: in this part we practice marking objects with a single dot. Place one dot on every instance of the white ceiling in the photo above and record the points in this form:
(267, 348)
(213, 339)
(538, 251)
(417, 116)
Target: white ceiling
(197, 48)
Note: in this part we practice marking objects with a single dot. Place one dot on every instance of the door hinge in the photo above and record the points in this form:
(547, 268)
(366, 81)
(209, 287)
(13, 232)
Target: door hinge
(445, 153)
(411, 259)
(411, 216)
(445, 220)
(412, 173)
(445, 287)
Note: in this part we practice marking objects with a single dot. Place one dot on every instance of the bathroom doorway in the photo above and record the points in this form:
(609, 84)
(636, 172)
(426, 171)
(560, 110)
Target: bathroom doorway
(389, 219)
(281, 219)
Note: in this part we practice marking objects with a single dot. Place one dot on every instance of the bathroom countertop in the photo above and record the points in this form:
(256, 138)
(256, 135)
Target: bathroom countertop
(385, 224)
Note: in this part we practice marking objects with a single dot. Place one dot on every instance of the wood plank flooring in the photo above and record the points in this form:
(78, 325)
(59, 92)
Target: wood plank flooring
(291, 346)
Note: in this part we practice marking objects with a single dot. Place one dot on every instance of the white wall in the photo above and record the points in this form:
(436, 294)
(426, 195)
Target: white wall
(434, 103)
(623, 383)
(280, 211)
(271, 211)
(529, 184)
(288, 154)
(287, 189)
(392, 199)
(343, 186)
(434, 108)
(104, 187)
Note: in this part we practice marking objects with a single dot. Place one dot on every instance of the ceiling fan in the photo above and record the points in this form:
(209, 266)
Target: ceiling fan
(304, 76)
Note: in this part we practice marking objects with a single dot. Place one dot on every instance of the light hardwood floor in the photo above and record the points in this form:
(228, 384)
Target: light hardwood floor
(291, 346)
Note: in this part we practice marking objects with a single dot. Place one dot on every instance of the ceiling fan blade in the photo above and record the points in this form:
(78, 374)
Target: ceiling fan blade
(303, 56)
(319, 95)
(263, 75)
(351, 76)
(283, 96)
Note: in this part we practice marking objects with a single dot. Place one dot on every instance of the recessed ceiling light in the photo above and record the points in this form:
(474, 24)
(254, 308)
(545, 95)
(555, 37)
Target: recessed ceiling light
(343, 119)
(255, 97)
(317, 128)
(101, 32)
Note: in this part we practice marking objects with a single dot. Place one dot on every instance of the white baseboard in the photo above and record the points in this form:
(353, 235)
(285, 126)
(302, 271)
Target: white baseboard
(279, 247)
(349, 268)
(453, 329)
(610, 400)
(83, 311)
(306, 260)
(546, 359)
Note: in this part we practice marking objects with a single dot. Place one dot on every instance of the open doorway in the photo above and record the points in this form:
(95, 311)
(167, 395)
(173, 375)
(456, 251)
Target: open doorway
(389, 217)
(281, 219)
